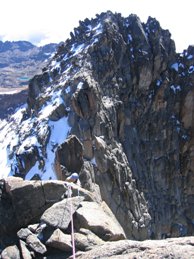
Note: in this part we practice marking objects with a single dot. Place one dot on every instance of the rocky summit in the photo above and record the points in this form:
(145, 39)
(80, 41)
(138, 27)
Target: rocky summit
(114, 105)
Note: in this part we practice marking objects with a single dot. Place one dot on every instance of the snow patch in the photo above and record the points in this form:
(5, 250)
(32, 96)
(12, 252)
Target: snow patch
(34, 170)
(94, 41)
(181, 65)
(93, 161)
(46, 111)
(190, 57)
(27, 144)
(185, 137)
(107, 101)
(50, 106)
(80, 85)
(191, 69)
(57, 137)
(97, 29)
(68, 90)
(55, 65)
(6, 144)
(89, 27)
(158, 82)
(9, 92)
(77, 49)
(175, 88)
(175, 66)
(129, 38)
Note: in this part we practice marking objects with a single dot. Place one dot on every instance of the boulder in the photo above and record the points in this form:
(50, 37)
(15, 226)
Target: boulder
(93, 195)
(53, 190)
(21, 192)
(86, 240)
(33, 227)
(70, 154)
(35, 244)
(100, 220)
(59, 215)
(24, 251)
(11, 252)
(26, 158)
(60, 241)
(23, 233)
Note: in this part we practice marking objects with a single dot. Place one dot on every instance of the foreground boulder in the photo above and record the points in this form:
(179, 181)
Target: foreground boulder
(100, 220)
(60, 241)
(59, 215)
(40, 214)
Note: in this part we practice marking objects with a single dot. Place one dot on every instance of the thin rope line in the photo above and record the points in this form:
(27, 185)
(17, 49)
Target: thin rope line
(72, 225)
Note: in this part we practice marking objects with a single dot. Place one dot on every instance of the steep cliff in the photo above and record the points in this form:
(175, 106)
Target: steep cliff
(115, 105)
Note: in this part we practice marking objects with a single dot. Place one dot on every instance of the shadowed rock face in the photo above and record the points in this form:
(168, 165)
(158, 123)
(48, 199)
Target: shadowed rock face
(70, 155)
(10, 102)
(127, 98)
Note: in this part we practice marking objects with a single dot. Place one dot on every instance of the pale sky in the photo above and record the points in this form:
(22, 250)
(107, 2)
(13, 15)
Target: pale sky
(45, 21)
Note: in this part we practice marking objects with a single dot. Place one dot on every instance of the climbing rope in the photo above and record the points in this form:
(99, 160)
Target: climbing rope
(72, 225)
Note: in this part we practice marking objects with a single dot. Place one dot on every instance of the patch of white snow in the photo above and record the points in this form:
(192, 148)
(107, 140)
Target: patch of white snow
(107, 101)
(175, 66)
(28, 143)
(130, 38)
(190, 57)
(175, 88)
(80, 85)
(59, 132)
(191, 69)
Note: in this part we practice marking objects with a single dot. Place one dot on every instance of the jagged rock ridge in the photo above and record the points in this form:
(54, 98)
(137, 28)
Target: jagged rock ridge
(115, 105)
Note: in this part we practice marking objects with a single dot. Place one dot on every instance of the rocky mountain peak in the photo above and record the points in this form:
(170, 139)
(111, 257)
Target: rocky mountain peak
(13, 45)
(115, 104)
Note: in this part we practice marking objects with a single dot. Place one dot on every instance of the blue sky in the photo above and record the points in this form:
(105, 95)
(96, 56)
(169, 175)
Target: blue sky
(45, 21)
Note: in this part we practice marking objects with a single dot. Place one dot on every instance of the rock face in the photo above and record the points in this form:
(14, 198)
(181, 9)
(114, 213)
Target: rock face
(94, 217)
(69, 155)
(10, 102)
(115, 104)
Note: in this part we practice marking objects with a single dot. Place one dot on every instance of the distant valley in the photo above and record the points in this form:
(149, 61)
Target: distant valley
(20, 61)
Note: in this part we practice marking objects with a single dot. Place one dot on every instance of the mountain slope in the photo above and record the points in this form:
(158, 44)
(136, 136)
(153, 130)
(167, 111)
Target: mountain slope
(20, 61)
(115, 105)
